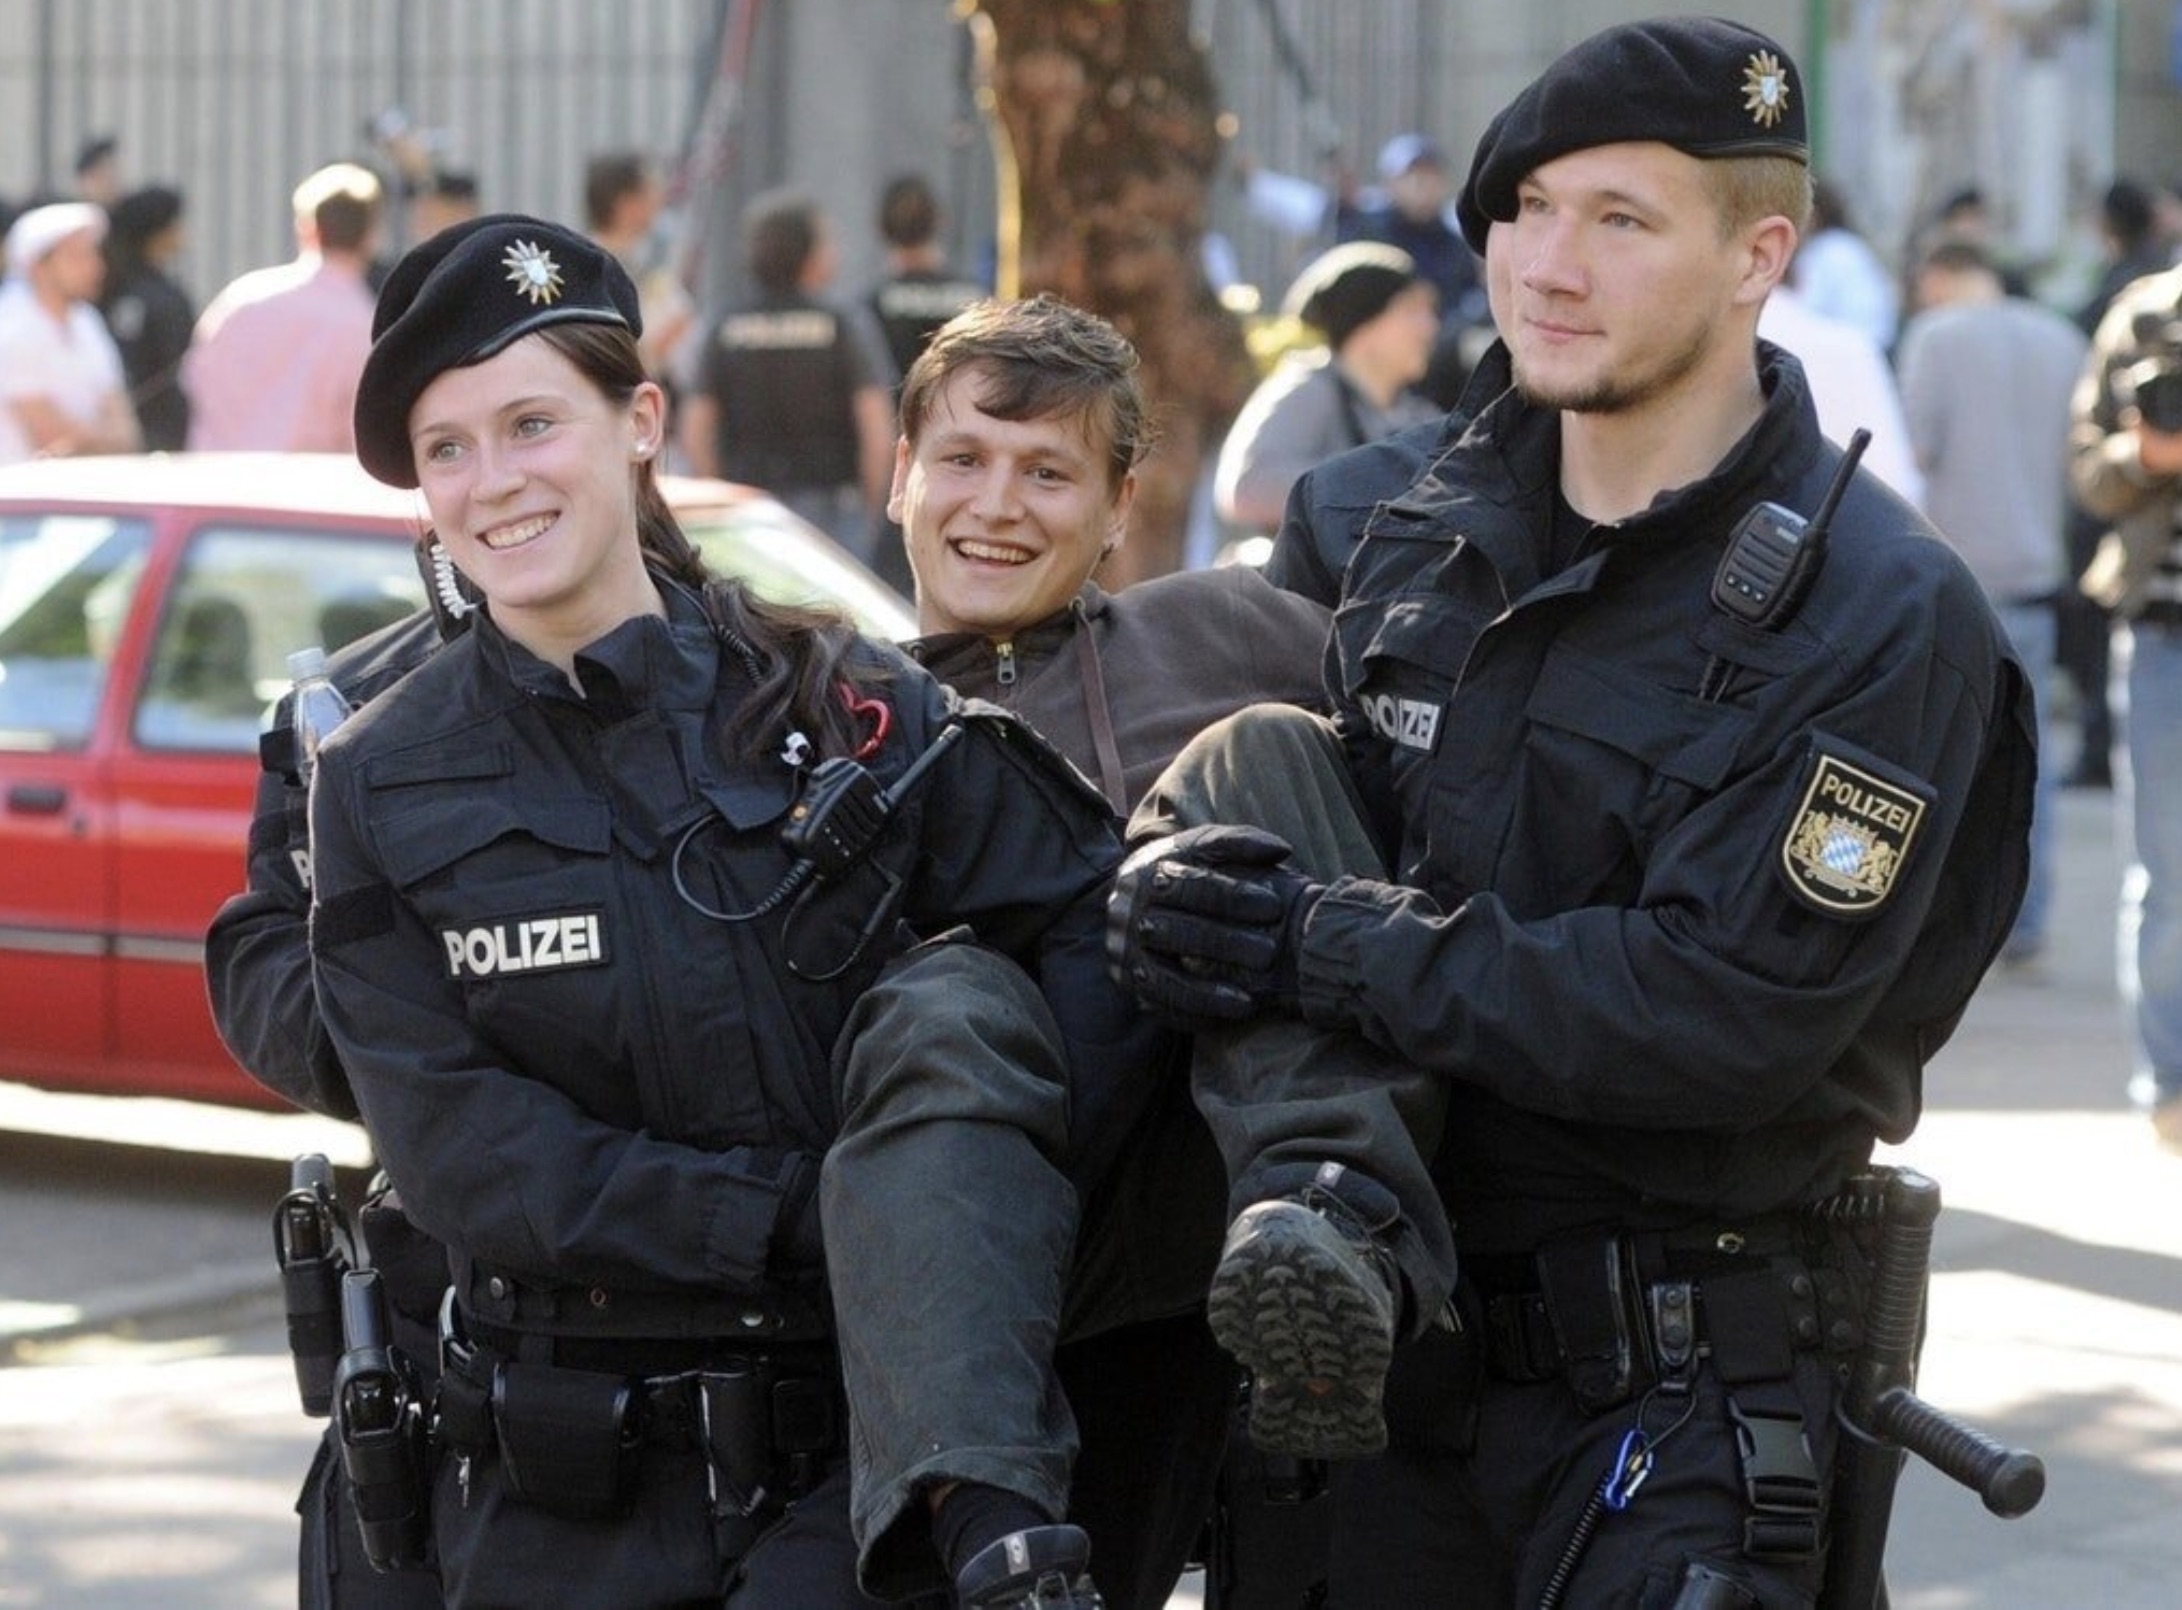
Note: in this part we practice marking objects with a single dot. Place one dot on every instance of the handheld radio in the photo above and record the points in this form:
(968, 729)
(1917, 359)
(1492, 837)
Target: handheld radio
(1774, 554)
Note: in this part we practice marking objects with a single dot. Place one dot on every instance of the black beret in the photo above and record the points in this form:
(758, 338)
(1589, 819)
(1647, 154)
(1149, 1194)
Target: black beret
(465, 295)
(1703, 85)
(1341, 290)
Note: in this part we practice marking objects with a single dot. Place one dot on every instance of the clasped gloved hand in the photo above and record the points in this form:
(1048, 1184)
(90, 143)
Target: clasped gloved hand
(1206, 924)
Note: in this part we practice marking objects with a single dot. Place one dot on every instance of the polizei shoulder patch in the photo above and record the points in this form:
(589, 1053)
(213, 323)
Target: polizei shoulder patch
(1850, 838)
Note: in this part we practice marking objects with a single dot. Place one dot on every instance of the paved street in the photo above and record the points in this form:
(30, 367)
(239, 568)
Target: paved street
(156, 1470)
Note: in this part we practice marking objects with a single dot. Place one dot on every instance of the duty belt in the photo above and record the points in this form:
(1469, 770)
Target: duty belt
(768, 1420)
(1751, 1290)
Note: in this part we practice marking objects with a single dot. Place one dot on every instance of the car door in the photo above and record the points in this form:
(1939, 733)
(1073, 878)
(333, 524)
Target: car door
(242, 598)
(69, 587)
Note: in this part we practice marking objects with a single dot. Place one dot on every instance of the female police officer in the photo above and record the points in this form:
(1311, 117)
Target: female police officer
(587, 990)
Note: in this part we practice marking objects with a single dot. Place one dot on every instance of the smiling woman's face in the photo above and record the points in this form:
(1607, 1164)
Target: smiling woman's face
(529, 472)
(1004, 519)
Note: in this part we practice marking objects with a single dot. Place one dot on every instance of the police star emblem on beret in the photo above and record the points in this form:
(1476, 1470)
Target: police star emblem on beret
(533, 272)
(1765, 89)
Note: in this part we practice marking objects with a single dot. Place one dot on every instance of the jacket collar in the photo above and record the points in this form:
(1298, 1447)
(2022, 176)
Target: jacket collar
(1509, 455)
(956, 654)
(670, 663)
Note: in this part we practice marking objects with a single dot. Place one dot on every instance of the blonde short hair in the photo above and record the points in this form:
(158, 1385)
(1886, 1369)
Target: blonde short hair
(1746, 189)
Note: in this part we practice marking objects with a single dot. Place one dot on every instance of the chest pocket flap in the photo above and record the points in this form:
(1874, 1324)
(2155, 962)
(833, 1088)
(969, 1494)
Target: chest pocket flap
(423, 827)
(1675, 735)
(1428, 631)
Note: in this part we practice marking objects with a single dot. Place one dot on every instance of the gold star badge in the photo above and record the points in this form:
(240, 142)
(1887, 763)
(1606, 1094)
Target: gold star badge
(1765, 89)
(533, 272)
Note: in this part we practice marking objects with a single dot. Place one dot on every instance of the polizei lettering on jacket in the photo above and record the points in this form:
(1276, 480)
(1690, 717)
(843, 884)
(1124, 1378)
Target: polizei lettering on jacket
(545, 944)
(1412, 723)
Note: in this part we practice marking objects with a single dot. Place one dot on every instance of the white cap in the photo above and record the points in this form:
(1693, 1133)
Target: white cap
(1405, 151)
(41, 229)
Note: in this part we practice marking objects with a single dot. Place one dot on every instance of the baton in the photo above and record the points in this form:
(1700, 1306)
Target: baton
(1882, 1418)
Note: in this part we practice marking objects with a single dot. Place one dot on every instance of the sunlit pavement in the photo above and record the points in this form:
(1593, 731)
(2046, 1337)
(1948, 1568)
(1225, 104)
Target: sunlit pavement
(157, 1475)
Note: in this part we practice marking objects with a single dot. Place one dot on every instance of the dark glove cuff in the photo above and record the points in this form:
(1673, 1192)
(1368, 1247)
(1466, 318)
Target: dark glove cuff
(798, 1244)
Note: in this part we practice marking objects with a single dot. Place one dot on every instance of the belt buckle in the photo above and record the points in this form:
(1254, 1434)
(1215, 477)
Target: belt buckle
(1780, 1485)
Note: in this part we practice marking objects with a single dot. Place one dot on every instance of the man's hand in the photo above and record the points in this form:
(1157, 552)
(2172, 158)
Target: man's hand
(2158, 451)
(1205, 924)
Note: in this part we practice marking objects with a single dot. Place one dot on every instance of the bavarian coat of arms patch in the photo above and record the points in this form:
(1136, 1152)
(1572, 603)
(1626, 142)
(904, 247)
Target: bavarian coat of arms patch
(1850, 838)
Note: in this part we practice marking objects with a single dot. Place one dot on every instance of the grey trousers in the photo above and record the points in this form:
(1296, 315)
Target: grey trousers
(1279, 1096)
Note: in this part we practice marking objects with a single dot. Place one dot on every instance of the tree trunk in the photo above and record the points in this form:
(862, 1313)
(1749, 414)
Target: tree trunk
(1105, 123)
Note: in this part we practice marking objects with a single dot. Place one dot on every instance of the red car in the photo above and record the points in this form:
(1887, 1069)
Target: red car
(147, 609)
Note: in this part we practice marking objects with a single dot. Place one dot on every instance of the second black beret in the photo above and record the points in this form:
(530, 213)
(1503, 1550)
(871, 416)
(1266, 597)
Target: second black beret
(1703, 85)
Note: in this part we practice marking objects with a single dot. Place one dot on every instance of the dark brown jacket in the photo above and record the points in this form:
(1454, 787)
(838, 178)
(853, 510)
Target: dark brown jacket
(1118, 682)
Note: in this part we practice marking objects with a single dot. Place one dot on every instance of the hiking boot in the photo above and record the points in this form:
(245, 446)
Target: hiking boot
(1306, 1296)
(1039, 1568)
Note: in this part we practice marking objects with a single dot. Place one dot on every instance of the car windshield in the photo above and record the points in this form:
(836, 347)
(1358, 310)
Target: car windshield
(66, 583)
(783, 560)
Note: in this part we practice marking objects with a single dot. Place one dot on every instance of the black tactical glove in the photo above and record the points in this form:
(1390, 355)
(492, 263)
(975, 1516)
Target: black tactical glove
(1205, 925)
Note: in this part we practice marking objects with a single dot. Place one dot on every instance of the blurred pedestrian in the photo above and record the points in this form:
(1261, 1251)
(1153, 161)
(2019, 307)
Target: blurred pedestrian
(1839, 275)
(2131, 247)
(1411, 211)
(2126, 464)
(1986, 379)
(444, 199)
(147, 311)
(794, 392)
(275, 359)
(1379, 319)
(98, 171)
(624, 199)
(61, 381)
(1852, 385)
(917, 292)
(1967, 214)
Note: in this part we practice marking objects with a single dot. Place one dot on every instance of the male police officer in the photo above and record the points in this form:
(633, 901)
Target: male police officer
(1684, 879)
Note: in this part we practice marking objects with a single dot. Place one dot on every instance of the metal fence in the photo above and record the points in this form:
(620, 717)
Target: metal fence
(235, 100)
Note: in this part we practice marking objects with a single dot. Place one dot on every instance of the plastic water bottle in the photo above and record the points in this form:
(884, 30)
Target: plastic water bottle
(317, 708)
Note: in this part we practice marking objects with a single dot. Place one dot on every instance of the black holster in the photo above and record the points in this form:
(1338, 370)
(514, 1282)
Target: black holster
(567, 1438)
